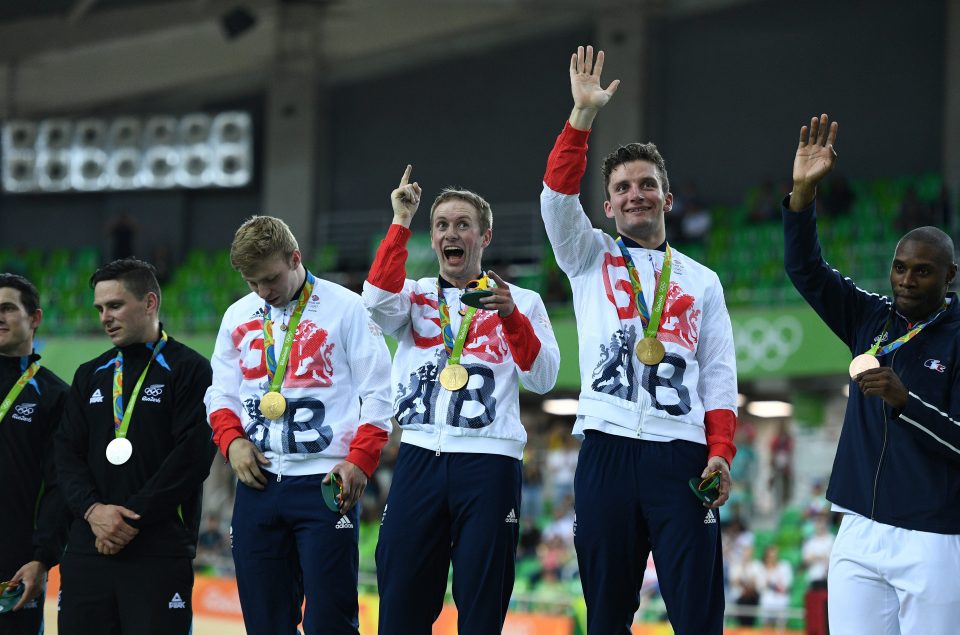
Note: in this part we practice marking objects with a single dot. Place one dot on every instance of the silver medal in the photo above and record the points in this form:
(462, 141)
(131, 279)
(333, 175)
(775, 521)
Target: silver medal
(119, 451)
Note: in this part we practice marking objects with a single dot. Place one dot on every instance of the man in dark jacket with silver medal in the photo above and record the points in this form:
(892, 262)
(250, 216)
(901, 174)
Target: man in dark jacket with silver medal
(133, 451)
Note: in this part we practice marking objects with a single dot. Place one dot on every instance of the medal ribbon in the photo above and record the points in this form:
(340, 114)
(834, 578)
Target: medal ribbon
(17, 388)
(277, 368)
(651, 323)
(121, 417)
(876, 351)
(454, 347)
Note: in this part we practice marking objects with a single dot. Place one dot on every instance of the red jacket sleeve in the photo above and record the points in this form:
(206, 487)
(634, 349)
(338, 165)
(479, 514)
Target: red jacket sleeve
(567, 161)
(388, 270)
(366, 448)
(720, 427)
(226, 427)
(521, 338)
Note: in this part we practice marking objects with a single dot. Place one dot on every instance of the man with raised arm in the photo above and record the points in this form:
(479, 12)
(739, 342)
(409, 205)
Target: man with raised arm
(466, 341)
(35, 515)
(658, 382)
(300, 398)
(896, 475)
(132, 453)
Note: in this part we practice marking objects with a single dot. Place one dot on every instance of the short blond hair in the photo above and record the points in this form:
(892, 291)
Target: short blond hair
(261, 238)
(484, 213)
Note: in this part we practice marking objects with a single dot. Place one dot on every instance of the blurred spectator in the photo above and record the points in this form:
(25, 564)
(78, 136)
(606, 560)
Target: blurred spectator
(766, 206)
(530, 539)
(913, 211)
(816, 551)
(942, 210)
(211, 539)
(781, 465)
(562, 524)
(213, 550)
(163, 263)
(649, 587)
(743, 473)
(673, 220)
(839, 198)
(745, 590)
(551, 594)
(737, 541)
(553, 555)
(561, 463)
(531, 501)
(773, 577)
(122, 231)
(696, 222)
(817, 500)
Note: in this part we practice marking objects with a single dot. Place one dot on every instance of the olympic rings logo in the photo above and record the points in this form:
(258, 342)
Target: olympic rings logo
(25, 409)
(763, 344)
(154, 390)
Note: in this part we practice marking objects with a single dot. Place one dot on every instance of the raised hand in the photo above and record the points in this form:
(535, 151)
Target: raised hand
(815, 159)
(588, 95)
(405, 199)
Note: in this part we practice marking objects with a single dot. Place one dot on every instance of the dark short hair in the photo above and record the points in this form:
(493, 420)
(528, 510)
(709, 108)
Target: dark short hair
(29, 295)
(936, 238)
(634, 152)
(139, 277)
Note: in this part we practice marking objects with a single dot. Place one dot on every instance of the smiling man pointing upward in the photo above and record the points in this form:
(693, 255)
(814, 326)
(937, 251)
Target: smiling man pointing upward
(466, 340)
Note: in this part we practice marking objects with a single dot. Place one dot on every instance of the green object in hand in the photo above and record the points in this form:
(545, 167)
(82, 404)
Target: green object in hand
(10, 596)
(707, 489)
(331, 490)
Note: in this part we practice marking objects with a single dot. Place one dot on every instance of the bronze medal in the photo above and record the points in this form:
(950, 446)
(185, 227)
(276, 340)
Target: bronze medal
(273, 405)
(454, 377)
(861, 363)
(650, 351)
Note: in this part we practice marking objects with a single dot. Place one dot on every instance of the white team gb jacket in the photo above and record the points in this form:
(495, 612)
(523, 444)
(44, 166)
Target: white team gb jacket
(336, 378)
(619, 395)
(484, 416)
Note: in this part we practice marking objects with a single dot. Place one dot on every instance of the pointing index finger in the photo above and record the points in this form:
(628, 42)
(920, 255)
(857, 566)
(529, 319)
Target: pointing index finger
(496, 278)
(406, 175)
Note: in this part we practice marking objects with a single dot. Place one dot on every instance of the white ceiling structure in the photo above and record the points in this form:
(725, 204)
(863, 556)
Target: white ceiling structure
(69, 56)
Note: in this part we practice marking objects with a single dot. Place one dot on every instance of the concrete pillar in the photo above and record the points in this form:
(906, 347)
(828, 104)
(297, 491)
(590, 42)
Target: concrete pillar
(622, 36)
(293, 115)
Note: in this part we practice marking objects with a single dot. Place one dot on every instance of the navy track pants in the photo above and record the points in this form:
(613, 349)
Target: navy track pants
(460, 508)
(632, 496)
(287, 545)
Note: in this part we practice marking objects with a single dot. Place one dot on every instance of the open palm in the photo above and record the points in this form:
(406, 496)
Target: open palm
(585, 80)
(815, 154)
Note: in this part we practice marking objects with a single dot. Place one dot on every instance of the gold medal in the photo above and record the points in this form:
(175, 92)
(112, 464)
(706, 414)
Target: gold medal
(283, 327)
(273, 405)
(861, 363)
(650, 351)
(454, 377)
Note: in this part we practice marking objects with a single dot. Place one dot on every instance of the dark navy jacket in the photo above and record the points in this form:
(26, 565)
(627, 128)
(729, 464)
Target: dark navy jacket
(900, 468)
